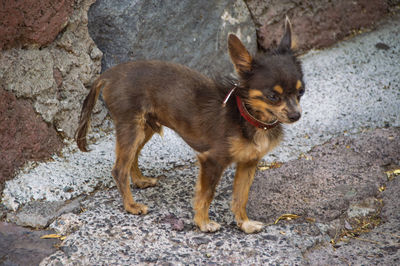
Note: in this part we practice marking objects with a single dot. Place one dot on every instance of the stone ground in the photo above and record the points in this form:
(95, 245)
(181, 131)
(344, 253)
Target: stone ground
(23, 246)
(332, 174)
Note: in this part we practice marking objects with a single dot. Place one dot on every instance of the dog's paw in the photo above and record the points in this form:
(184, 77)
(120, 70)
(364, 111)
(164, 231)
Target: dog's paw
(145, 182)
(250, 227)
(136, 208)
(210, 227)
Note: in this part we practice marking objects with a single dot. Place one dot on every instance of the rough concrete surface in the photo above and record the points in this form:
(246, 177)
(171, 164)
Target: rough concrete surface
(352, 89)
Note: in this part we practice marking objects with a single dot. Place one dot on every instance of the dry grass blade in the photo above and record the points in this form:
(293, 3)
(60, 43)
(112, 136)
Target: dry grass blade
(310, 219)
(358, 227)
(368, 240)
(287, 216)
(267, 166)
(52, 236)
(392, 173)
(390, 234)
(306, 157)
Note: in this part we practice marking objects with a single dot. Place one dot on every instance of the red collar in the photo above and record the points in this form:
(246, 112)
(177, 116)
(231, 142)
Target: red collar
(251, 119)
(246, 115)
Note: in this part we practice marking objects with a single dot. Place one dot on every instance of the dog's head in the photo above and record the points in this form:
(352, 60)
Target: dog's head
(271, 83)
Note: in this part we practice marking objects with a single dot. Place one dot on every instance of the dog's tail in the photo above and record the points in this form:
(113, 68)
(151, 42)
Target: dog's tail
(87, 108)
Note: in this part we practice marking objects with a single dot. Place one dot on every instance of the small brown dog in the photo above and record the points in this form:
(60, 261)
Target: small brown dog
(223, 121)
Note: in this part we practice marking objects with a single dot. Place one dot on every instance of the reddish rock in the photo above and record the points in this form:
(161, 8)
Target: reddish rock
(23, 135)
(23, 246)
(346, 171)
(316, 23)
(32, 22)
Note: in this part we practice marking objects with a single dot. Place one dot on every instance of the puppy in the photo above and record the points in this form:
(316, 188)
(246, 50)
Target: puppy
(225, 121)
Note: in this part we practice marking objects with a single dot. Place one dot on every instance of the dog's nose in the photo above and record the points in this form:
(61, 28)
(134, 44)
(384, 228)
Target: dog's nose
(293, 117)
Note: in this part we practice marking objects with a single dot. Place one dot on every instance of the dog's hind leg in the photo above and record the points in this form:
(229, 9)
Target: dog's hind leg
(209, 176)
(130, 137)
(136, 175)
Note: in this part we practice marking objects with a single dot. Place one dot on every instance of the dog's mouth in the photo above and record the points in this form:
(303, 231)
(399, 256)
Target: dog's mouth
(267, 116)
(284, 116)
(288, 117)
(270, 114)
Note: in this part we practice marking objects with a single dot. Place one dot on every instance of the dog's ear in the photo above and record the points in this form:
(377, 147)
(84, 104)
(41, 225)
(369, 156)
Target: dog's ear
(286, 41)
(240, 57)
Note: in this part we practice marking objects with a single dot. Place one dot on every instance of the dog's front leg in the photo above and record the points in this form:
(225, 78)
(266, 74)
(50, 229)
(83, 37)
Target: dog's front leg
(243, 179)
(209, 176)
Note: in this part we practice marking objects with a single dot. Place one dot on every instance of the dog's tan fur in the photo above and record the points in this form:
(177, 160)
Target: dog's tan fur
(143, 96)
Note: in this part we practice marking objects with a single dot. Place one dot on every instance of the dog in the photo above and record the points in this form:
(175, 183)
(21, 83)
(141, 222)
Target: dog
(224, 120)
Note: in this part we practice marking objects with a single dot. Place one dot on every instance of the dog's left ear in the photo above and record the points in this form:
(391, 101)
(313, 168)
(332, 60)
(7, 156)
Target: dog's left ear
(286, 41)
(240, 57)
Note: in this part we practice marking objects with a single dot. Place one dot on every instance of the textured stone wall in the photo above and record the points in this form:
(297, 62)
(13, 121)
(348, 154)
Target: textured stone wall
(43, 79)
(31, 22)
(23, 135)
(54, 77)
(316, 23)
(193, 33)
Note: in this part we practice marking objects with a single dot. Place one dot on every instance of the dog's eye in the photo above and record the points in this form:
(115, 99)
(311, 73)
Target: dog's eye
(273, 98)
(301, 92)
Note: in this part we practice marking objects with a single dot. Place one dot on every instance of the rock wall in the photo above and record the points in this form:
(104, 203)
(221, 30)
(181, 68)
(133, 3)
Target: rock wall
(316, 23)
(31, 22)
(23, 135)
(193, 33)
(43, 82)
(54, 77)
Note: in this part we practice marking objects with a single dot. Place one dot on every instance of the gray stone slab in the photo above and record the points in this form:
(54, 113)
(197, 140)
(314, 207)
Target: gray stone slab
(39, 214)
(341, 174)
(192, 33)
(22, 246)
